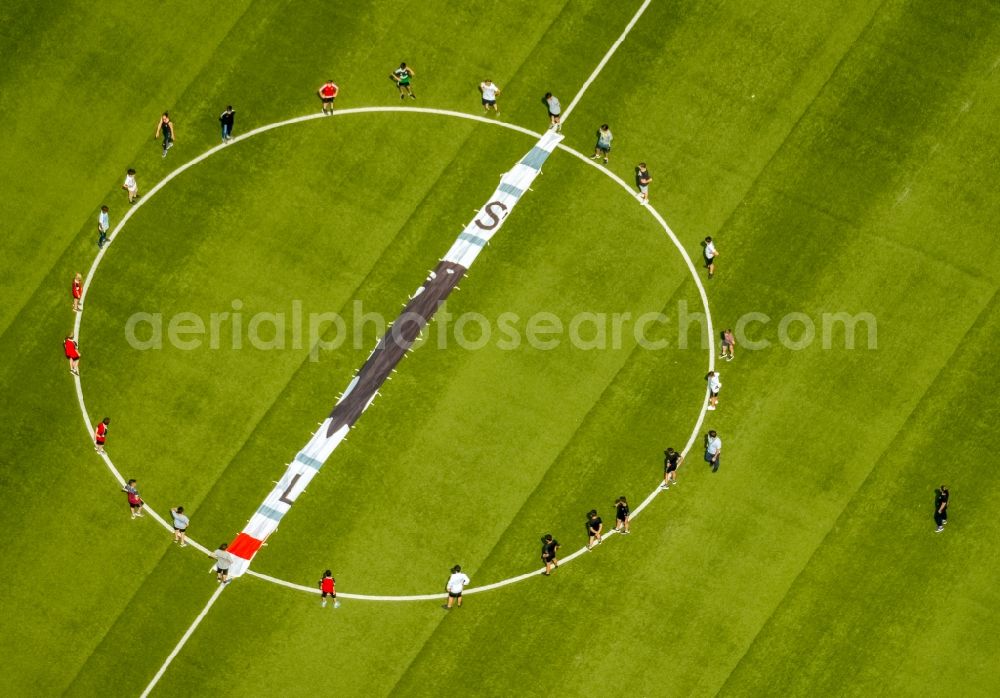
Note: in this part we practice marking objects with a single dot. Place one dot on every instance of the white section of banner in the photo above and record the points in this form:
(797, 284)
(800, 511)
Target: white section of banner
(297, 477)
(491, 216)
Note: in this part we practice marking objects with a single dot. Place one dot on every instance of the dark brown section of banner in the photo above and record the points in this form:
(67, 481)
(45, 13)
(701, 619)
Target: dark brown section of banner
(393, 346)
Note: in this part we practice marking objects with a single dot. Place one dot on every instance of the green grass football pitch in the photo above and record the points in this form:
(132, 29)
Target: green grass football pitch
(843, 156)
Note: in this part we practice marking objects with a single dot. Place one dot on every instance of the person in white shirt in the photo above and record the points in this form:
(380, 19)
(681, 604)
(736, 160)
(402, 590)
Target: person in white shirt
(714, 386)
(456, 583)
(490, 92)
(713, 450)
(131, 186)
(710, 254)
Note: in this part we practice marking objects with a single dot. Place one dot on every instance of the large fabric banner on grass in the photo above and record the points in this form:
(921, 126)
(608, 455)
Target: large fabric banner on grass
(387, 354)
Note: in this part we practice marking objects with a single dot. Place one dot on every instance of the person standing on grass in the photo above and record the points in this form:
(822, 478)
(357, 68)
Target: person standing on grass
(328, 587)
(135, 502)
(227, 119)
(101, 434)
(941, 508)
(623, 518)
(327, 93)
(103, 226)
(456, 584)
(72, 351)
(555, 111)
(550, 547)
(490, 92)
(714, 386)
(181, 522)
(131, 186)
(603, 147)
(642, 180)
(594, 528)
(728, 344)
(710, 254)
(713, 450)
(165, 127)
(401, 76)
(671, 461)
(77, 291)
(223, 561)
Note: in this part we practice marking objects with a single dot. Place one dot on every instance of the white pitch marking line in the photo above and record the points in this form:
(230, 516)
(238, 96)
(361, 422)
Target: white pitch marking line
(441, 112)
(184, 639)
(604, 61)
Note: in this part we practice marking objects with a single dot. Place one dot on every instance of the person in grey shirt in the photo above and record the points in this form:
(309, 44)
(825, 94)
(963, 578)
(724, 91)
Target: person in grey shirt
(103, 226)
(223, 561)
(555, 111)
(713, 450)
(603, 147)
(181, 522)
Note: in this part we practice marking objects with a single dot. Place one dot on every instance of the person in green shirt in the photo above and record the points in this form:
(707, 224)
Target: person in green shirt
(401, 76)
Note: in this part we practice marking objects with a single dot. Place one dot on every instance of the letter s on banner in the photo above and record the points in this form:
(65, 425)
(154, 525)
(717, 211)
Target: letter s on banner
(494, 217)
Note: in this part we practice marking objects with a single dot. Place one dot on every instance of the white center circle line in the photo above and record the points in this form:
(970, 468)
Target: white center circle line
(369, 110)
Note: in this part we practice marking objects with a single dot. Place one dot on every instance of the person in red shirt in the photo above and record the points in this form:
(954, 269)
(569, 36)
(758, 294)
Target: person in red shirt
(101, 434)
(77, 292)
(328, 93)
(135, 502)
(72, 350)
(327, 587)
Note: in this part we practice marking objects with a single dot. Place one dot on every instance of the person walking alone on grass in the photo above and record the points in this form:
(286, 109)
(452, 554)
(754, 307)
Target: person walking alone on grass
(166, 128)
(710, 254)
(401, 76)
(490, 93)
(642, 180)
(713, 450)
(550, 547)
(603, 147)
(181, 522)
(455, 585)
(555, 111)
(103, 226)
(227, 119)
(327, 93)
(135, 502)
(77, 292)
(328, 587)
(223, 561)
(728, 344)
(671, 461)
(941, 508)
(131, 186)
(623, 517)
(714, 386)
(594, 528)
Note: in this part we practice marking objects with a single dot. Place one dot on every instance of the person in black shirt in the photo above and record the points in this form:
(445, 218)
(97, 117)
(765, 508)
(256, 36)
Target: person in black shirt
(671, 461)
(622, 519)
(594, 528)
(166, 127)
(941, 508)
(226, 119)
(550, 546)
(642, 180)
